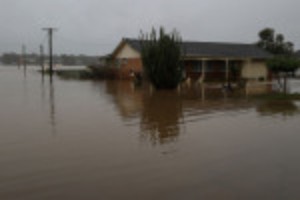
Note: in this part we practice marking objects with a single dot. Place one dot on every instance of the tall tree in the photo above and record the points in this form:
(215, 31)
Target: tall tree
(282, 67)
(283, 63)
(161, 57)
(274, 43)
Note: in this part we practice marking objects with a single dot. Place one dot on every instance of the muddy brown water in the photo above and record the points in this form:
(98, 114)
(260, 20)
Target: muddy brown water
(74, 139)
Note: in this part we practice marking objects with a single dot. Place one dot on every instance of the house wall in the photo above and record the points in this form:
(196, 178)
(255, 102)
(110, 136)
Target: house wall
(128, 66)
(128, 60)
(255, 70)
(127, 52)
(215, 70)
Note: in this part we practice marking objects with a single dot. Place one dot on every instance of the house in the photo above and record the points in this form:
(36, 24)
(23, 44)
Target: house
(202, 60)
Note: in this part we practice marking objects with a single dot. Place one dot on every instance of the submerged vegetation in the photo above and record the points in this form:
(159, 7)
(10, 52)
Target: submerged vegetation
(284, 108)
(77, 74)
(277, 96)
(74, 74)
(103, 72)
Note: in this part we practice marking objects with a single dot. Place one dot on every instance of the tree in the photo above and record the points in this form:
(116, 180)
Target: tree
(68, 59)
(282, 67)
(274, 43)
(10, 58)
(283, 63)
(161, 57)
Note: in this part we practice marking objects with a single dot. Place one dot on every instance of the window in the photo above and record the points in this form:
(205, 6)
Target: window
(197, 66)
(124, 61)
(118, 63)
(209, 66)
(222, 67)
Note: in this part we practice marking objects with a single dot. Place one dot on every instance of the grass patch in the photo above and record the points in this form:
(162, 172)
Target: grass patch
(71, 74)
(104, 72)
(74, 74)
(278, 96)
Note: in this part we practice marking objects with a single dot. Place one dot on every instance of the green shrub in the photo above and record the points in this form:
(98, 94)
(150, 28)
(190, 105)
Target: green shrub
(161, 57)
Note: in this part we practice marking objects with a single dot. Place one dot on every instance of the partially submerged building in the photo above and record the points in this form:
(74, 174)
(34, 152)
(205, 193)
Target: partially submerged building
(202, 60)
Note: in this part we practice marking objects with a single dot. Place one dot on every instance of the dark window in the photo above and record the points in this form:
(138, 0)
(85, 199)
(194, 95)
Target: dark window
(209, 66)
(222, 67)
(118, 63)
(197, 66)
(124, 61)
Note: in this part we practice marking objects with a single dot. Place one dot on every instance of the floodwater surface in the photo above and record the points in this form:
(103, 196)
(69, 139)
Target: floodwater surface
(81, 139)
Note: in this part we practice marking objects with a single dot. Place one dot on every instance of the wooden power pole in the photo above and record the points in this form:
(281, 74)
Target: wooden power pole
(50, 36)
(24, 59)
(42, 58)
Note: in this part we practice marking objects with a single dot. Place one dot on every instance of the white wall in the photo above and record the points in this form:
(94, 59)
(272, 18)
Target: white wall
(127, 52)
(254, 70)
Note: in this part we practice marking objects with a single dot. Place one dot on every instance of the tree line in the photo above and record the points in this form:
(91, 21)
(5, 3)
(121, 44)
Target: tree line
(13, 58)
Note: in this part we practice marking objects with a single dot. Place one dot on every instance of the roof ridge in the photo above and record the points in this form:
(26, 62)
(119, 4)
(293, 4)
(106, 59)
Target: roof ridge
(217, 42)
(202, 42)
(207, 48)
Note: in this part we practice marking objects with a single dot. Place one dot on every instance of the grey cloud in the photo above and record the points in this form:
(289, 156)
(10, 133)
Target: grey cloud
(96, 26)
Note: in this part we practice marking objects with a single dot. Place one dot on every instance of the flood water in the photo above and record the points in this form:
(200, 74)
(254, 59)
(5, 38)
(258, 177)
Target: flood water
(81, 139)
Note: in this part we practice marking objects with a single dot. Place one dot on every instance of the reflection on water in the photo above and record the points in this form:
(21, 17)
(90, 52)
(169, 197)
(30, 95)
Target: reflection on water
(162, 117)
(159, 112)
(52, 104)
(47, 90)
(115, 141)
(126, 98)
(283, 108)
(164, 114)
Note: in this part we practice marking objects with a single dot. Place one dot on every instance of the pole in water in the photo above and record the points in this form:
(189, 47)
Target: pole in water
(50, 35)
(42, 58)
(24, 56)
(19, 61)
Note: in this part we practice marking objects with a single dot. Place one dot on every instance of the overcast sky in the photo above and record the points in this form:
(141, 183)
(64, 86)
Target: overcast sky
(95, 27)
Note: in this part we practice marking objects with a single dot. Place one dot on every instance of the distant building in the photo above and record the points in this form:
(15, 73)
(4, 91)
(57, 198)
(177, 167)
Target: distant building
(206, 60)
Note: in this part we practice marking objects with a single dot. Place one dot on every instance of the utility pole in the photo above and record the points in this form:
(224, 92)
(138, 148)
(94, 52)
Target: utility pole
(42, 58)
(24, 56)
(50, 35)
(19, 61)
